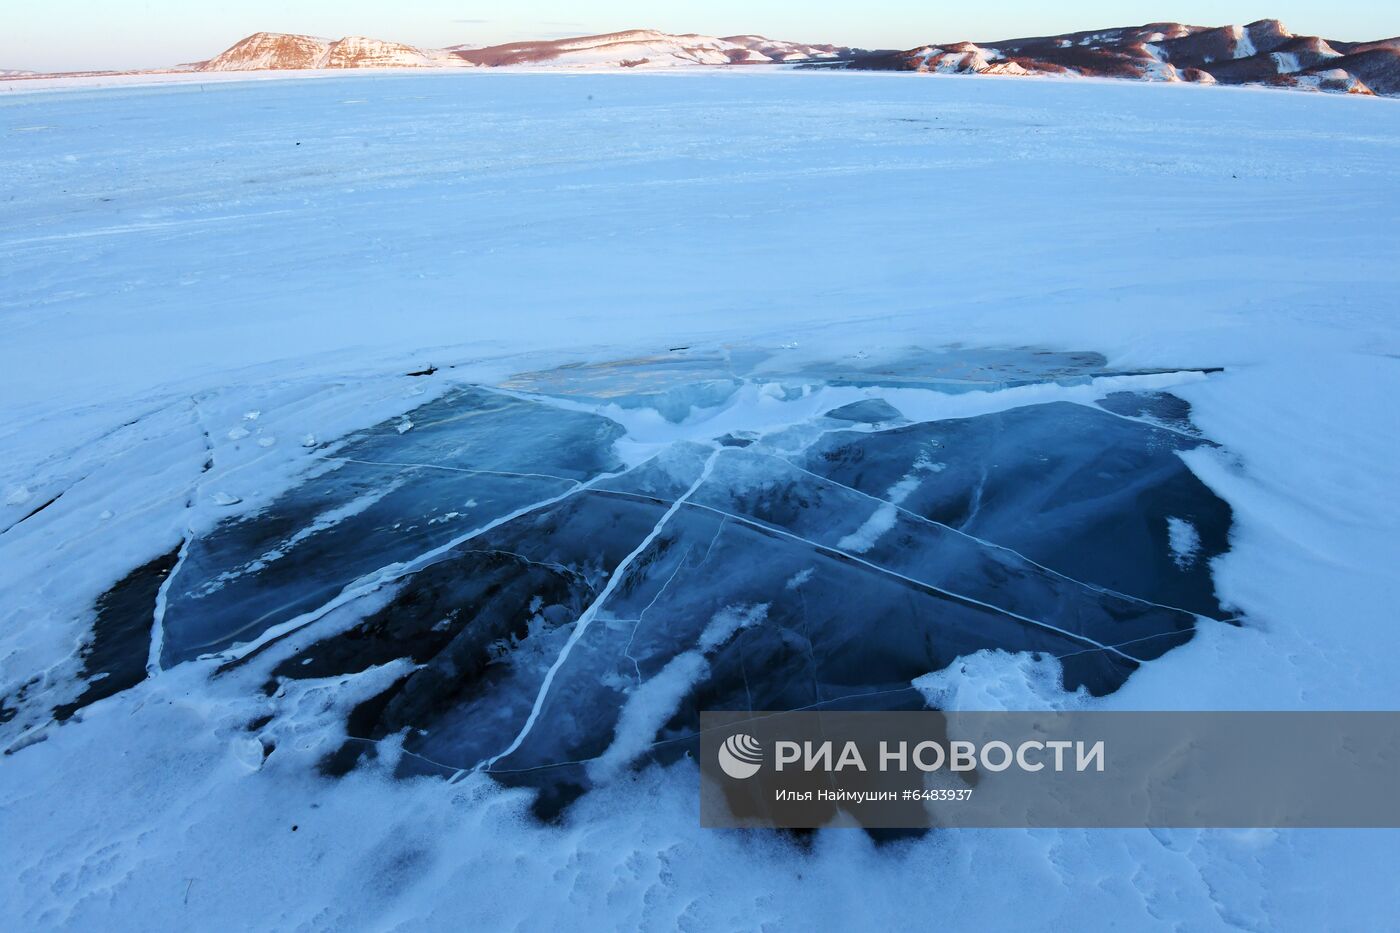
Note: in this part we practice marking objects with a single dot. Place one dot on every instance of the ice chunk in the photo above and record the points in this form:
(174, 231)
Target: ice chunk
(1160, 408)
(870, 411)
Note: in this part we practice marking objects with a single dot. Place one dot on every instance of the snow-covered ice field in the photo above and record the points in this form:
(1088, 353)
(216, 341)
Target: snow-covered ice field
(205, 287)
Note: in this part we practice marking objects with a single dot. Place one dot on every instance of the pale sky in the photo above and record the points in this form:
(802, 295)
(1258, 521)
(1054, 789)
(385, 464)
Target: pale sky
(62, 35)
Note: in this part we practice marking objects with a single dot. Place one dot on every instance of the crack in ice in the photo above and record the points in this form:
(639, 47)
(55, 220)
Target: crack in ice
(439, 466)
(157, 644)
(992, 544)
(1196, 438)
(546, 564)
(589, 614)
(390, 572)
(923, 584)
(637, 622)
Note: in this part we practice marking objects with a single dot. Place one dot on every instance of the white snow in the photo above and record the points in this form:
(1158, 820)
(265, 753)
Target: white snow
(1160, 71)
(887, 513)
(799, 578)
(1244, 45)
(999, 680)
(190, 263)
(652, 703)
(870, 531)
(1184, 540)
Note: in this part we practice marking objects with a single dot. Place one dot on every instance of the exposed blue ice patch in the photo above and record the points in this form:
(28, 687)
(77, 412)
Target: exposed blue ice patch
(1082, 492)
(383, 497)
(783, 540)
(673, 385)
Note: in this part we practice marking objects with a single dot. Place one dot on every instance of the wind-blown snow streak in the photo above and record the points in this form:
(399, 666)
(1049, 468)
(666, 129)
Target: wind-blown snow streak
(884, 517)
(652, 703)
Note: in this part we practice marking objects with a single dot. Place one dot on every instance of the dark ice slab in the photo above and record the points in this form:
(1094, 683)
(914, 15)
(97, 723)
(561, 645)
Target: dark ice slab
(1077, 490)
(1161, 408)
(485, 621)
(555, 605)
(385, 496)
(821, 630)
(479, 430)
(115, 657)
(887, 538)
(776, 621)
(964, 369)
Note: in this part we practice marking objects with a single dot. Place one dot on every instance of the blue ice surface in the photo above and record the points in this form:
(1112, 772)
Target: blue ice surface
(495, 538)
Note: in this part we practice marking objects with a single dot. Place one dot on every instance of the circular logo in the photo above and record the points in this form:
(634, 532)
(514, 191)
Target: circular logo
(740, 756)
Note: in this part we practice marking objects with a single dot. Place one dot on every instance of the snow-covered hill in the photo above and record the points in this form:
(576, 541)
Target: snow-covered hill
(269, 51)
(281, 51)
(648, 48)
(1263, 52)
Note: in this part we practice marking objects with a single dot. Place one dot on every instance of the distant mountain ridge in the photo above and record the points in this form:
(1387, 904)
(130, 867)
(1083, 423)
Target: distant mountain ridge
(1262, 52)
(646, 47)
(634, 48)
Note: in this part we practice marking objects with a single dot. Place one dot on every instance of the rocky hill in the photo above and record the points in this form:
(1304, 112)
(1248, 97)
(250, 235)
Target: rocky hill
(1262, 52)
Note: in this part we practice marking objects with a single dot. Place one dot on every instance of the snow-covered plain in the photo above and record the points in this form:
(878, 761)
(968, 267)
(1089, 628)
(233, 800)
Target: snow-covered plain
(233, 274)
